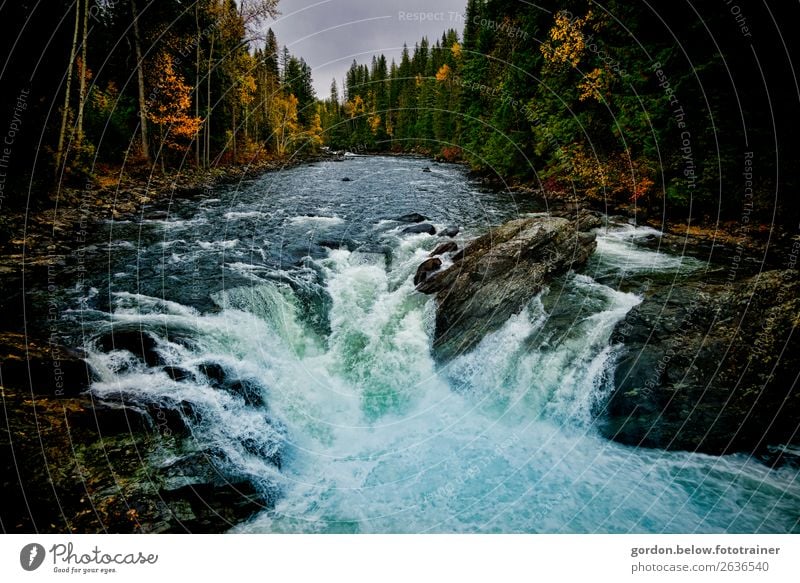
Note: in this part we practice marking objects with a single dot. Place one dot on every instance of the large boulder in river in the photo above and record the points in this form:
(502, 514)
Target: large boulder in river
(493, 277)
(411, 218)
(710, 367)
(420, 228)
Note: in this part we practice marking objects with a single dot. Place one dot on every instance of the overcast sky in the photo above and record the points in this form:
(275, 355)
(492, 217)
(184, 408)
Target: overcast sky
(329, 34)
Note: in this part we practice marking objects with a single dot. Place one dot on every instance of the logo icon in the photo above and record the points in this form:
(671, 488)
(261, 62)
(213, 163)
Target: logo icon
(31, 556)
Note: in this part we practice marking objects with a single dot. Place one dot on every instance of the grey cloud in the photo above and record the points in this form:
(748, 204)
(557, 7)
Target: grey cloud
(329, 34)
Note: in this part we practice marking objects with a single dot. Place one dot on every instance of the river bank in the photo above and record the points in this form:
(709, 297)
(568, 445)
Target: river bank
(750, 246)
(53, 226)
(44, 230)
(101, 486)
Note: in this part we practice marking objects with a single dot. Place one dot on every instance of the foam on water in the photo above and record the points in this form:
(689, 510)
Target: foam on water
(373, 435)
(208, 245)
(618, 246)
(235, 215)
(316, 221)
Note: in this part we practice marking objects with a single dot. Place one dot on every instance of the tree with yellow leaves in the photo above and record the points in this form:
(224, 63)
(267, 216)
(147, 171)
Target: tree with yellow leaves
(169, 110)
(444, 73)
(355, 107)
(283, 118)
(314, 133)
(566, 42)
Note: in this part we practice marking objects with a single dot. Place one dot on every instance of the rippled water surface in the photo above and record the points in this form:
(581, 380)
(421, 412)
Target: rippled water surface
(298, 287)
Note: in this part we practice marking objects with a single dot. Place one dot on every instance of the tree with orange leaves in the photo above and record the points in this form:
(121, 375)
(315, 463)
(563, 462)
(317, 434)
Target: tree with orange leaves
(171, 105)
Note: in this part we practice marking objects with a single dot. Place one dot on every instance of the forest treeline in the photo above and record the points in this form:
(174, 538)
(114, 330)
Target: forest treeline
(685, 106)
(691, 104)
(162, 84)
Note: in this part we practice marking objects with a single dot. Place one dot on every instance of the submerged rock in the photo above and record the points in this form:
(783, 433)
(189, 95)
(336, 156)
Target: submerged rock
(422, 228)
(710, 367)
(177, 373)
(140, 344)
(497, 274)
(250, 392)
(411, 218)
(214, 372)
(337, 244)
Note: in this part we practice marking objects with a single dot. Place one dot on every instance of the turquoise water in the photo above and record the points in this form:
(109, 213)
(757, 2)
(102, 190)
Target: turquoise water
(373, 434)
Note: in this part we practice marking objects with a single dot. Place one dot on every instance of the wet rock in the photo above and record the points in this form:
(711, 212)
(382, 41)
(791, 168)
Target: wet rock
(449, 232)
(426, 169)
(421, 228)
(109, 482)
(42, 368)
(584, 219)
(177, 374)
(203, 497)
(266, 451)
(214, 372)
(346, 179)
(137, 342)
(212, 508)
(166, 417)
(337, 244)
(427, 268)
(449, 247)
(709, 367)
(202, 466)
(108, 419)
(174, 418)
(497, 274)
(251, 392)
(411, 218)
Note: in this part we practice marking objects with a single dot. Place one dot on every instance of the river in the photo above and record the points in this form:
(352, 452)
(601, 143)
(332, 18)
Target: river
(287, 304)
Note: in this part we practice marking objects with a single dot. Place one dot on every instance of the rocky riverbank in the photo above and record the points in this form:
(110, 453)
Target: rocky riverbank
(51, 225)
(709, 362)
(57, 443)
(710, 367)
(94, 459)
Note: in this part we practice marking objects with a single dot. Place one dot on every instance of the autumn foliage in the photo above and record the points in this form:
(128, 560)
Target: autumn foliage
(170, 110)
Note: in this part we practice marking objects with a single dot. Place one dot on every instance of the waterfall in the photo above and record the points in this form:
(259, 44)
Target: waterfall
(309, 372)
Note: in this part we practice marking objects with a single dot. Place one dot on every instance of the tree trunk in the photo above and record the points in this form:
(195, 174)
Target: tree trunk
(65, 111)
(82, 92)
(197, 82)
(140, 77)
(233, 133)
(208, 103)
